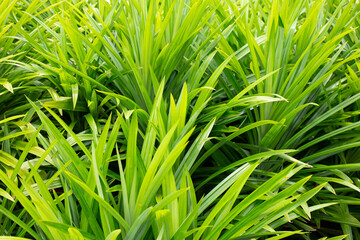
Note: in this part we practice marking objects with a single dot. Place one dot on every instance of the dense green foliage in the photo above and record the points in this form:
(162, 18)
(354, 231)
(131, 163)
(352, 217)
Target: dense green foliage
(179, 119)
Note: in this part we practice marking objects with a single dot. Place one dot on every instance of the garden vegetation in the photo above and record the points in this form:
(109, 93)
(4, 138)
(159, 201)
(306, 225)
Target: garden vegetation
(179, 119)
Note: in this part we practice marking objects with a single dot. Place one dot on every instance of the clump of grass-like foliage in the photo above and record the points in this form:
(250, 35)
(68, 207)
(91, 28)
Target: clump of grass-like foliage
(179, 119)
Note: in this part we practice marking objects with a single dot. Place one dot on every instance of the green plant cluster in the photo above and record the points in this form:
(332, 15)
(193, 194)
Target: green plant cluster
(179, 119)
